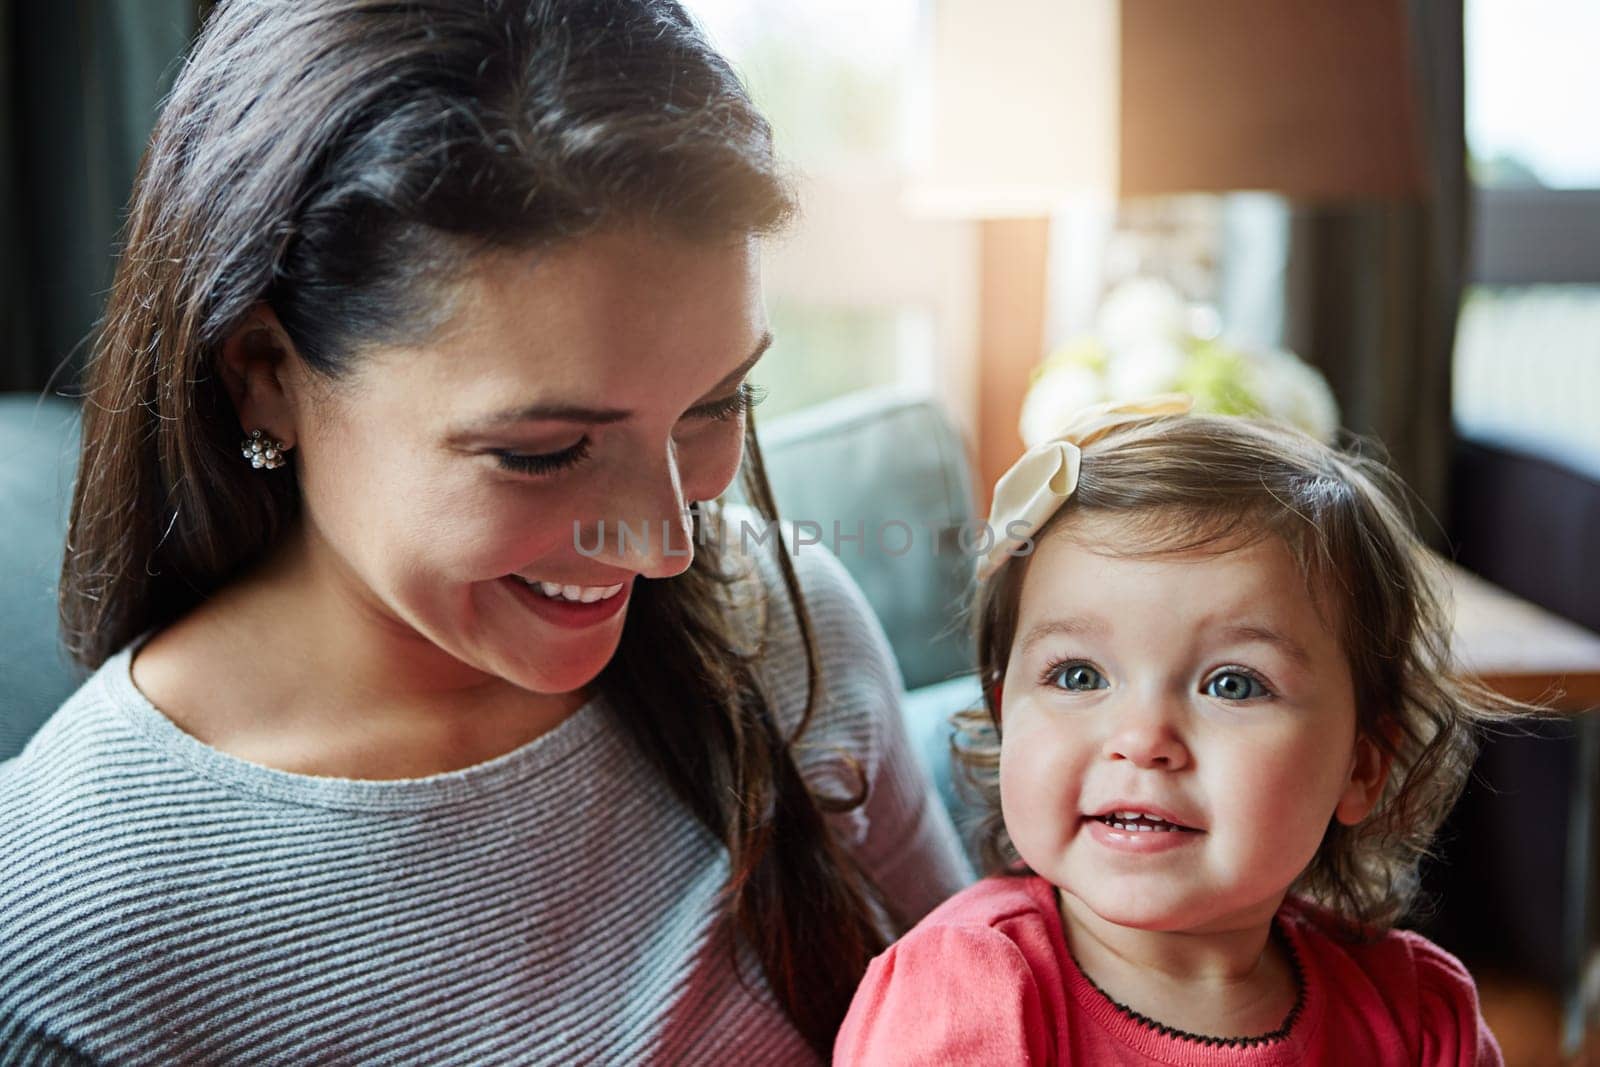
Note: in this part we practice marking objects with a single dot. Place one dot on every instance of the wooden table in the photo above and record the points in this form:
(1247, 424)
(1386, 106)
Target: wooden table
(1529, 654)
(1520, 650)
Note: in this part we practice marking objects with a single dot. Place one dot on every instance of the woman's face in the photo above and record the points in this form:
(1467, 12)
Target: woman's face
(452, 486)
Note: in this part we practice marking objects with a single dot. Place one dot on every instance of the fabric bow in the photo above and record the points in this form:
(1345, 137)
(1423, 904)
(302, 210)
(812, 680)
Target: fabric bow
(1039, 483)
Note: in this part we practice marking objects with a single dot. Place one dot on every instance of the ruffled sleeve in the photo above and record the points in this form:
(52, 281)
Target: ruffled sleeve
(947, 995)
(1453, 1032)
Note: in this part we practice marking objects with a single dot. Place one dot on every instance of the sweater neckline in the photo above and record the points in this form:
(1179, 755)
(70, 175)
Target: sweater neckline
(362, 794)
(1277, 1034)
(1281, 1047)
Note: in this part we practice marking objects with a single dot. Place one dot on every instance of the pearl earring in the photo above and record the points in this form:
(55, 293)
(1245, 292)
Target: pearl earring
(263, 451)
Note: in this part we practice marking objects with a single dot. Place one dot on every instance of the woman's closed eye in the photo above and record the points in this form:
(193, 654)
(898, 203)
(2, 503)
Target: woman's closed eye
(1075, 676)
(746, 397)
(1235, 683)
(543, 462)
(740, 402)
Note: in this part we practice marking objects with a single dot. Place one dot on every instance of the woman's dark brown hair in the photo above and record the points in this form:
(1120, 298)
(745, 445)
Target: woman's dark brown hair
(1207, 483)
(343, 160)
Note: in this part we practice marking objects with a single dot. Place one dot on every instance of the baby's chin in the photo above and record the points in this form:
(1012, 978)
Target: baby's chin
(1152, 913)
(1164, 909)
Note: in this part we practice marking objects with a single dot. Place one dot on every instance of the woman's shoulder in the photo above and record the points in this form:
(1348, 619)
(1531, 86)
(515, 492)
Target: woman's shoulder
(852, 733)
(858, 680)
(76, 752)
(66, 798)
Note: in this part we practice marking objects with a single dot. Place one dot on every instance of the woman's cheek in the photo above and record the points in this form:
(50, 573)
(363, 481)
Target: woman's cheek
(495, 531)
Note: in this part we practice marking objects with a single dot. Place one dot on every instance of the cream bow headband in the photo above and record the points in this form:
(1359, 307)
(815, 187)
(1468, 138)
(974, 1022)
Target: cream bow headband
(1039, 483)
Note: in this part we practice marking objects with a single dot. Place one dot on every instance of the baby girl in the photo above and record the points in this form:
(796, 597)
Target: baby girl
(1219, 731)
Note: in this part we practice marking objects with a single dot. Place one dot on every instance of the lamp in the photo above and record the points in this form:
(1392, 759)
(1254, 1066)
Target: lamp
(1034, 102)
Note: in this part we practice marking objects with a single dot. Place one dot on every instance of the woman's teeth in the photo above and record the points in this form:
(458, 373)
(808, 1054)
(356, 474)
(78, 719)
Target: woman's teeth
(582, 594)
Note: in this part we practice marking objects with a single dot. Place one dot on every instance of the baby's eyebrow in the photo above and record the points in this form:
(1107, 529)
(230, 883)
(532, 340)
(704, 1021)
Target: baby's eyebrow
(1284, 643)
(1076, 626)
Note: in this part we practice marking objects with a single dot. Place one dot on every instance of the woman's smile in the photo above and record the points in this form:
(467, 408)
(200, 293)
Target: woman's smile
(588, 608)
(588, 594)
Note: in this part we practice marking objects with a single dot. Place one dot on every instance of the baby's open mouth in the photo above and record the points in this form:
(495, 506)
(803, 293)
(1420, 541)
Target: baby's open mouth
(1142, 822)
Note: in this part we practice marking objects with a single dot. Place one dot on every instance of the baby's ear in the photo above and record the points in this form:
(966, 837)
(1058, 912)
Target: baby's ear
(1369, 770)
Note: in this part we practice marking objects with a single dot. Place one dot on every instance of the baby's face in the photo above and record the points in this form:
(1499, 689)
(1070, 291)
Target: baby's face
(1202, 688)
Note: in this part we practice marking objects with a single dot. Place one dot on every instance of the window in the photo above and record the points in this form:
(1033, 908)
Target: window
(1532, 88)
(861, 293)
(1527, 364)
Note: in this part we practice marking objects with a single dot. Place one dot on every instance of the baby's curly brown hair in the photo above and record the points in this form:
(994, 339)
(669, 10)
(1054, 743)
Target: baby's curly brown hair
(1195, 482)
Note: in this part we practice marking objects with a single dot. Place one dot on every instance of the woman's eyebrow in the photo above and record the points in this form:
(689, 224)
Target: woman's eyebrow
(764, 343)
(589, 416)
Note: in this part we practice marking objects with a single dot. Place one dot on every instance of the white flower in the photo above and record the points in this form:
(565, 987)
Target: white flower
(1144, 369)
(1141, 310)
(1295, 392)
(1147, 341)
(1058, 394)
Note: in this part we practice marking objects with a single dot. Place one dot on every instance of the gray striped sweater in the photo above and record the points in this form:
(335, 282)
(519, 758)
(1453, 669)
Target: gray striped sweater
(162, 902)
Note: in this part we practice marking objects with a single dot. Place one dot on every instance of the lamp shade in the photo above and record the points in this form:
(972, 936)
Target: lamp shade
(1034, 100)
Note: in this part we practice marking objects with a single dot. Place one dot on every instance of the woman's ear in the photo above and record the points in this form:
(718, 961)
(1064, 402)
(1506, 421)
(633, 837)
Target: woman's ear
(253, 364)
(1369, 770)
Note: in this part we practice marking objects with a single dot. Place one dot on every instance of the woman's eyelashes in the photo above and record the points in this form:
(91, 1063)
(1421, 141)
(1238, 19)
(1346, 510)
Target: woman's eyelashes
(1232, 683)
(746, 397)
(544, 462)
(741, 402)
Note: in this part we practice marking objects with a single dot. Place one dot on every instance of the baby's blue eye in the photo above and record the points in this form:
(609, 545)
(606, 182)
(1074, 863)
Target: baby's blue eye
(1078, 677)
(1234, 685)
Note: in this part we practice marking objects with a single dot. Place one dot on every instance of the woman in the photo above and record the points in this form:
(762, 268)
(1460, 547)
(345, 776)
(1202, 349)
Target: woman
(392, 751)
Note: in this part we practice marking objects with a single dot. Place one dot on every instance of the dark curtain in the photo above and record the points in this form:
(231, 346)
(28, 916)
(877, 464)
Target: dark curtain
(1374, 288)
(80, 84)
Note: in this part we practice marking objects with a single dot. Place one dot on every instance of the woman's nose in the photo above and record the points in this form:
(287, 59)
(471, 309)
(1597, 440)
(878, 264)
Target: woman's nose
(645, 525)
(1148, 738)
